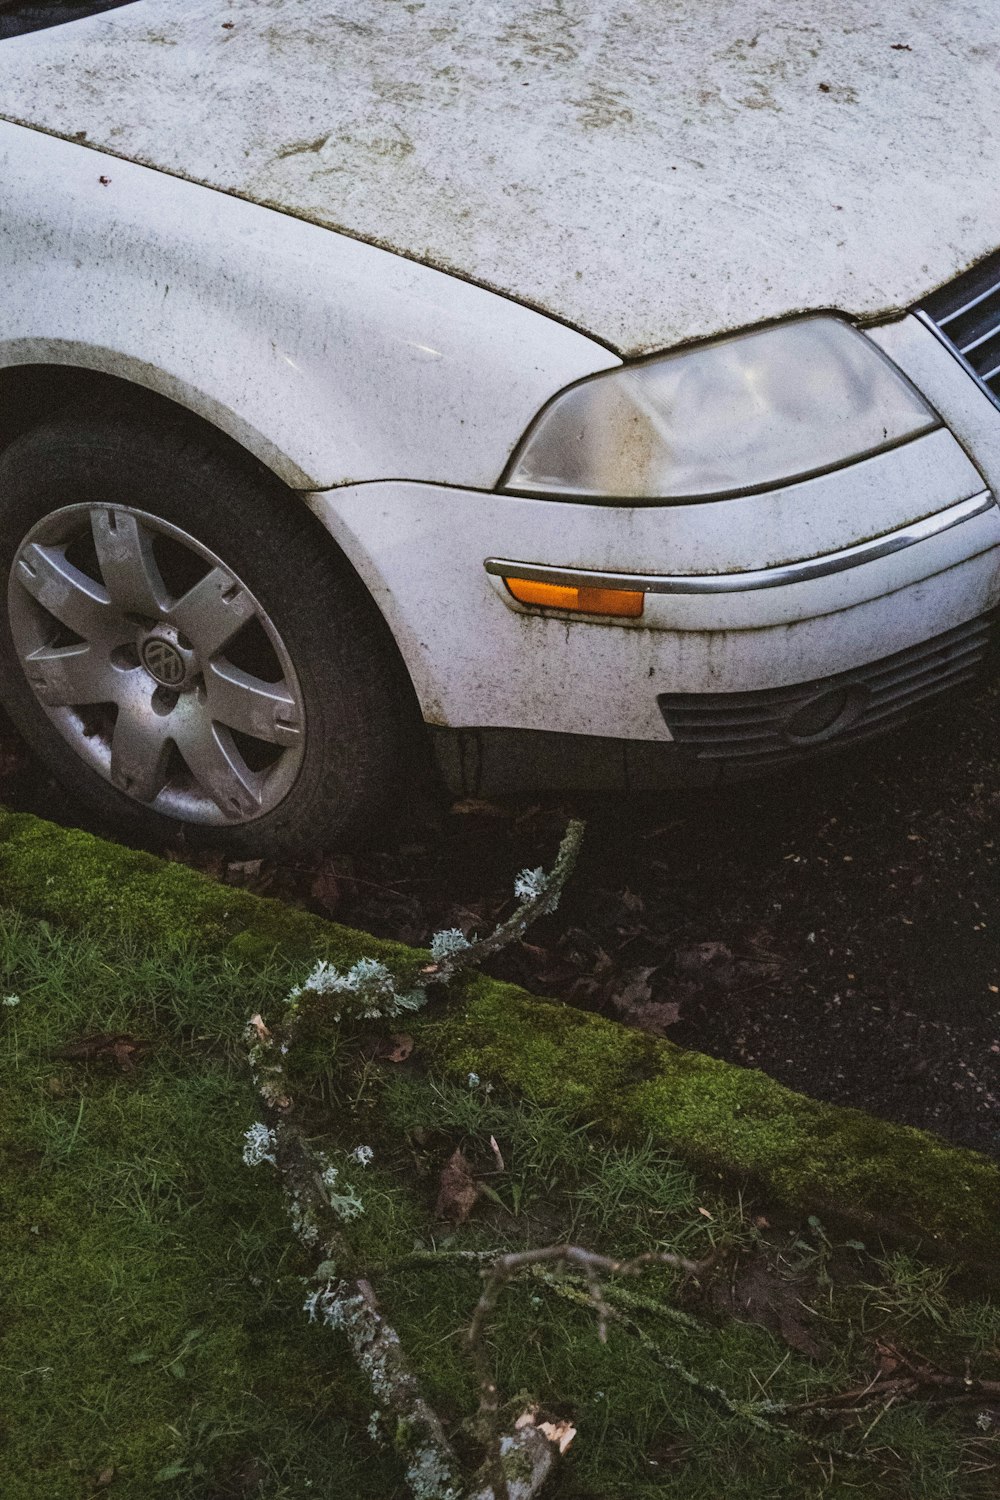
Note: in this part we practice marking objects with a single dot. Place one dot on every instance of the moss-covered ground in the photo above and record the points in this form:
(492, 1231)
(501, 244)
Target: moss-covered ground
(718, 1117)
(151, 1315)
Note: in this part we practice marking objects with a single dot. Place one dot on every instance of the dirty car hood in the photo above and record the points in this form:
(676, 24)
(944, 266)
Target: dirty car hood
(650, 171)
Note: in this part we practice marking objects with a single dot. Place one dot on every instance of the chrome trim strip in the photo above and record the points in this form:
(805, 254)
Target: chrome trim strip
(763, 578)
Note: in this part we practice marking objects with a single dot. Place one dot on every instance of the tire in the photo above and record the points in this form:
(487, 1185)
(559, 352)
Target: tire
(151, 542)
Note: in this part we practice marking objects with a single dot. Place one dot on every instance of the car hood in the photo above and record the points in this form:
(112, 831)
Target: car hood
(650, 172)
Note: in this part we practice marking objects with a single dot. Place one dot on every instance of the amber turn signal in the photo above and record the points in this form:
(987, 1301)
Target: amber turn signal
(625, 603)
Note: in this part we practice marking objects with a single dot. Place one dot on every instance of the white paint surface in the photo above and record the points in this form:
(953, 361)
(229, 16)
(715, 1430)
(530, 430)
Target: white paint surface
(651, 171)
(476, 659)
(332, 361)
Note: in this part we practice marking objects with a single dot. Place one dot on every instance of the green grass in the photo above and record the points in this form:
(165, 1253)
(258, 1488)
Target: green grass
(151, 1294)
(149, 1291)
(721, 1119)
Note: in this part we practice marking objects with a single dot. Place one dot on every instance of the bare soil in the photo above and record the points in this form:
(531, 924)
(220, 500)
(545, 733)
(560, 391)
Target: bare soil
(836, 927)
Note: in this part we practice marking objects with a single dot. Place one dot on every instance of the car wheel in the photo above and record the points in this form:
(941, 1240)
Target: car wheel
(184, 646)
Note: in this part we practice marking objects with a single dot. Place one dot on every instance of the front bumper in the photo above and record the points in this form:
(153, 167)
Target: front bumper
(747, 596)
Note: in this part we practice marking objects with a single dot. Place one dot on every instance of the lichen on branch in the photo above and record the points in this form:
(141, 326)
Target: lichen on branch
(321, 1203)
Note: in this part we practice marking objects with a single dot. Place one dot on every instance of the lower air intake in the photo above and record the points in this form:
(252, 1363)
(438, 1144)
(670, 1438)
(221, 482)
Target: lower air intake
(783, 724)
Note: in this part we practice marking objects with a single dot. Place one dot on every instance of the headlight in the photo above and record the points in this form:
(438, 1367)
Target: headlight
(740, 414)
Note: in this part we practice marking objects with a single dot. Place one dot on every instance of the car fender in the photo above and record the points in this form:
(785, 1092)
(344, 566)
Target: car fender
(332, 360)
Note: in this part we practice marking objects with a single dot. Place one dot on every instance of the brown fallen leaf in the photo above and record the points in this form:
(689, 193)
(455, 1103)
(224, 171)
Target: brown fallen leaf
(797, 1336)
(255, 875)
(208, 861)
(104, 1478)
(473, 805)
(396, 1047)
(703, 956)
(458, 1189)
(635, 1006)
(632, 903)
(259, 1026)
(654, 1017)
(636, 990)
(122, 1048)
(540, 955)
(325, 887)
(559, 1433)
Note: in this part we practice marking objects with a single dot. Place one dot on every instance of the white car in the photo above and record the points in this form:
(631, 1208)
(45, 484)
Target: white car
(610, 388)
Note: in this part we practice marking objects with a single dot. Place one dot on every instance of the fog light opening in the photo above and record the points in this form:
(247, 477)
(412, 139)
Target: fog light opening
(830, 713)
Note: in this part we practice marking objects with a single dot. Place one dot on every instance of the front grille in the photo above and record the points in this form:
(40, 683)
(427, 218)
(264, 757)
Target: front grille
(789, 723)
(966, 313)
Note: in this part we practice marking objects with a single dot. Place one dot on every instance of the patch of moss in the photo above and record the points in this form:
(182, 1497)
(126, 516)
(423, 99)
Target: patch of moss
(152, 1303)
(719, 1117)
(153, 1311)
(70, 877)
(722, 1119)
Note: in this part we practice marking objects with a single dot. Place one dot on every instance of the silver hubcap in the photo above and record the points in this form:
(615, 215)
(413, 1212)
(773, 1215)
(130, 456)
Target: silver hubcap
(156, 664)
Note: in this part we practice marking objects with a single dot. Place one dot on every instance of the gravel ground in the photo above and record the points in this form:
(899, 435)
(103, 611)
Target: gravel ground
(836, 928)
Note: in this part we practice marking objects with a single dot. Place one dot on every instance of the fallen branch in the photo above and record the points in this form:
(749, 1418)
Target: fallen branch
(539, 896)
(495, 1277)
(319, 1205)
(755, 1414)
(432, 1469)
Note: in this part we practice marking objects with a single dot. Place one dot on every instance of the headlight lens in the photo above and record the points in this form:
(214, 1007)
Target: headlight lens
(740, 414)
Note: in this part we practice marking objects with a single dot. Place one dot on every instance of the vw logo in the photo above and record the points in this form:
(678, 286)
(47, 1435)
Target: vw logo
(163, 662)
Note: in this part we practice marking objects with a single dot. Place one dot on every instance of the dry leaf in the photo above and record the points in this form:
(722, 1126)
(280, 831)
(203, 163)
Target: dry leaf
(634, 1005)
(325, 887)
(396, 1048)
(654, 1017)
(560, 1433)
(703, 956)
(797, 1336)
(540, 955)
(122, 1048)
(636, 990)
(250, 874)
(472, 805)
(458, 1190)
(103, 1479)
(257, 1025)
(497, 1156)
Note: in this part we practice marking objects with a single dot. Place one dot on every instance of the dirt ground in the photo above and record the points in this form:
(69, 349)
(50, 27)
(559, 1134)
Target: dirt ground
(837, 928)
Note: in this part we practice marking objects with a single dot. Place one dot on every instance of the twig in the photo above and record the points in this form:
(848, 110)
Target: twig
(540, 903)
(748, 1413)
(495, 1278)
(431, 1465)
(964, 1388)
(519, 1462)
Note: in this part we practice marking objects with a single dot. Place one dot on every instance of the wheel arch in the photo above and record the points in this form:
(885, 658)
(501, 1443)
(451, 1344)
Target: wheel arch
(34, 389)
(32, 393)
